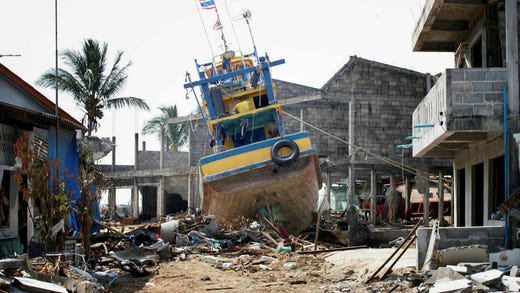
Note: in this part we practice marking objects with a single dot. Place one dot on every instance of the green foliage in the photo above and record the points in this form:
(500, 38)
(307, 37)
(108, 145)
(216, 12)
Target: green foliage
(39, 182)
(175, 135)
(91, 82)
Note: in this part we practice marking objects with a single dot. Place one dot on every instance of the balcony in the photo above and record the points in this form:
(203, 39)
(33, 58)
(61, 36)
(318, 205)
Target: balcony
(444, 23)
(464, 108)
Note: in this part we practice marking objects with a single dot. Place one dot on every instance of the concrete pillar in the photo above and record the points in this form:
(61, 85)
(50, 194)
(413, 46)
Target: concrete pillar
(407, 192)
(423, 187)
(190, 201)
(135, 200)
(512, 55)
(351, 153)
(160, 198)
(328, 183)
(136, 151)
(112, 189)
(394, 198)
(161, 153)
(373, 197)
(113, 167)
(440, 211)
(112, 201)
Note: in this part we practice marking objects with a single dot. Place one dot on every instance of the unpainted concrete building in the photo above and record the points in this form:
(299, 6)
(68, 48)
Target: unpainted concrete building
(471, 115)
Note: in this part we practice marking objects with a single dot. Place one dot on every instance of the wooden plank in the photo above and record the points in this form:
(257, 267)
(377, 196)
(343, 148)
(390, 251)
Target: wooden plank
(398, 257)
(395, 252)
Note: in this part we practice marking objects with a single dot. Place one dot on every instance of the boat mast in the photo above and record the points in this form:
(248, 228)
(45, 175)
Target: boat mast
(221, 28)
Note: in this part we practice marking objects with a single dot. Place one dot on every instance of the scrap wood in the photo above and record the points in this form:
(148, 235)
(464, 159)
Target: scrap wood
(270, 238)
(332, 249)
(275, 228)
(395, 252)
(510, 202)
(398, 257)
(317, 233)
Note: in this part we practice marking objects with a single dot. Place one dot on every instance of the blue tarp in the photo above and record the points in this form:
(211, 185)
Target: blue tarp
(68, 169)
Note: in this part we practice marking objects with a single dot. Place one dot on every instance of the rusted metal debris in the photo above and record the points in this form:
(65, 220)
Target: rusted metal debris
(244, 246)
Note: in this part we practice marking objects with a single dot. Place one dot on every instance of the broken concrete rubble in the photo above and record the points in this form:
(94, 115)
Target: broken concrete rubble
(140, 252)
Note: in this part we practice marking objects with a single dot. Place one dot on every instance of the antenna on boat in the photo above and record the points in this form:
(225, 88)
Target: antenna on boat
(247, 16)
(218, 26)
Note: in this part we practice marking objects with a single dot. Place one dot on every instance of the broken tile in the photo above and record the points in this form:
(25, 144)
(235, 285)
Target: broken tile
(488, 277)
(445, 274)
(458, 269)
(462, 285)
(511, 284)
(31, 285)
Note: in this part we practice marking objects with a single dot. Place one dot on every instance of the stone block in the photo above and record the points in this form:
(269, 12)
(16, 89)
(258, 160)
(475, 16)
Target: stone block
(461, 110)
(475, 74)
(456, 255)
(472, 98)
(461, 87)
(456, 98)
(493, 97)
(496, 232)
(483, 110)
(498, 74)
(498, 86)
(482, 86)
(457, 74)
(478, 234)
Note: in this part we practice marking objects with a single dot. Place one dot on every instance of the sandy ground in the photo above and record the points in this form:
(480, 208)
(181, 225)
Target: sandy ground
(343, 271)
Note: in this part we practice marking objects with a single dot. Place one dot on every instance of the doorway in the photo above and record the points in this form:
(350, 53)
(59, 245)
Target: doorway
(477, 195)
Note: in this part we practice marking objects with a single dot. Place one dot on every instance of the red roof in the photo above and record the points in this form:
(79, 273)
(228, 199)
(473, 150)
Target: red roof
(36, 94)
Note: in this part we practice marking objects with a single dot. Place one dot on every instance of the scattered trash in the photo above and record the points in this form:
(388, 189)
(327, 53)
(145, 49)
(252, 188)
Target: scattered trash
(254, 246)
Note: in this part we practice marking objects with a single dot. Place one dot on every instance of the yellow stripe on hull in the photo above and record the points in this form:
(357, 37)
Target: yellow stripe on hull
(247, 158)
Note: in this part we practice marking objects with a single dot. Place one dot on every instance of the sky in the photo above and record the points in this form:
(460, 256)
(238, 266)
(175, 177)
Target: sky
(162, 38)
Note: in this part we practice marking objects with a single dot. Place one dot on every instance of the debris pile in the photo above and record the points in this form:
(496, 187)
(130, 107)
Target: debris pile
(253, 250)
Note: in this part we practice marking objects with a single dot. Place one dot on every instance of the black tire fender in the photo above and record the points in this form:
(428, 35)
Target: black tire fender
(285, 160)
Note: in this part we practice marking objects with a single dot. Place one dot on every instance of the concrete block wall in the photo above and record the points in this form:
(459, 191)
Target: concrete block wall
(151, 159)
(385, 97)
(492, 236)
(474, 96)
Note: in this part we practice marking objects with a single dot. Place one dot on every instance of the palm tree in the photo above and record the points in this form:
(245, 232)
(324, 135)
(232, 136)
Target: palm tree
(173, 136)
(89, 83)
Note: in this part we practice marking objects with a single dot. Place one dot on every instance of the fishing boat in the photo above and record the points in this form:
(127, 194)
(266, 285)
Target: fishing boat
(257, 169)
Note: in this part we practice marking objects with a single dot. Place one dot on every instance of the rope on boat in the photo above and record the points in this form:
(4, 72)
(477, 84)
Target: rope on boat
(394, 163)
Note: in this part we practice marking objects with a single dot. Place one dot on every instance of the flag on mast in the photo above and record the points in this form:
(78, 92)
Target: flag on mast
(207, 4)
(218, 25)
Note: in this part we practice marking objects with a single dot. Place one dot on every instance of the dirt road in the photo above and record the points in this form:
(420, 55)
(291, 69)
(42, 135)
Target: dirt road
(288, 272)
